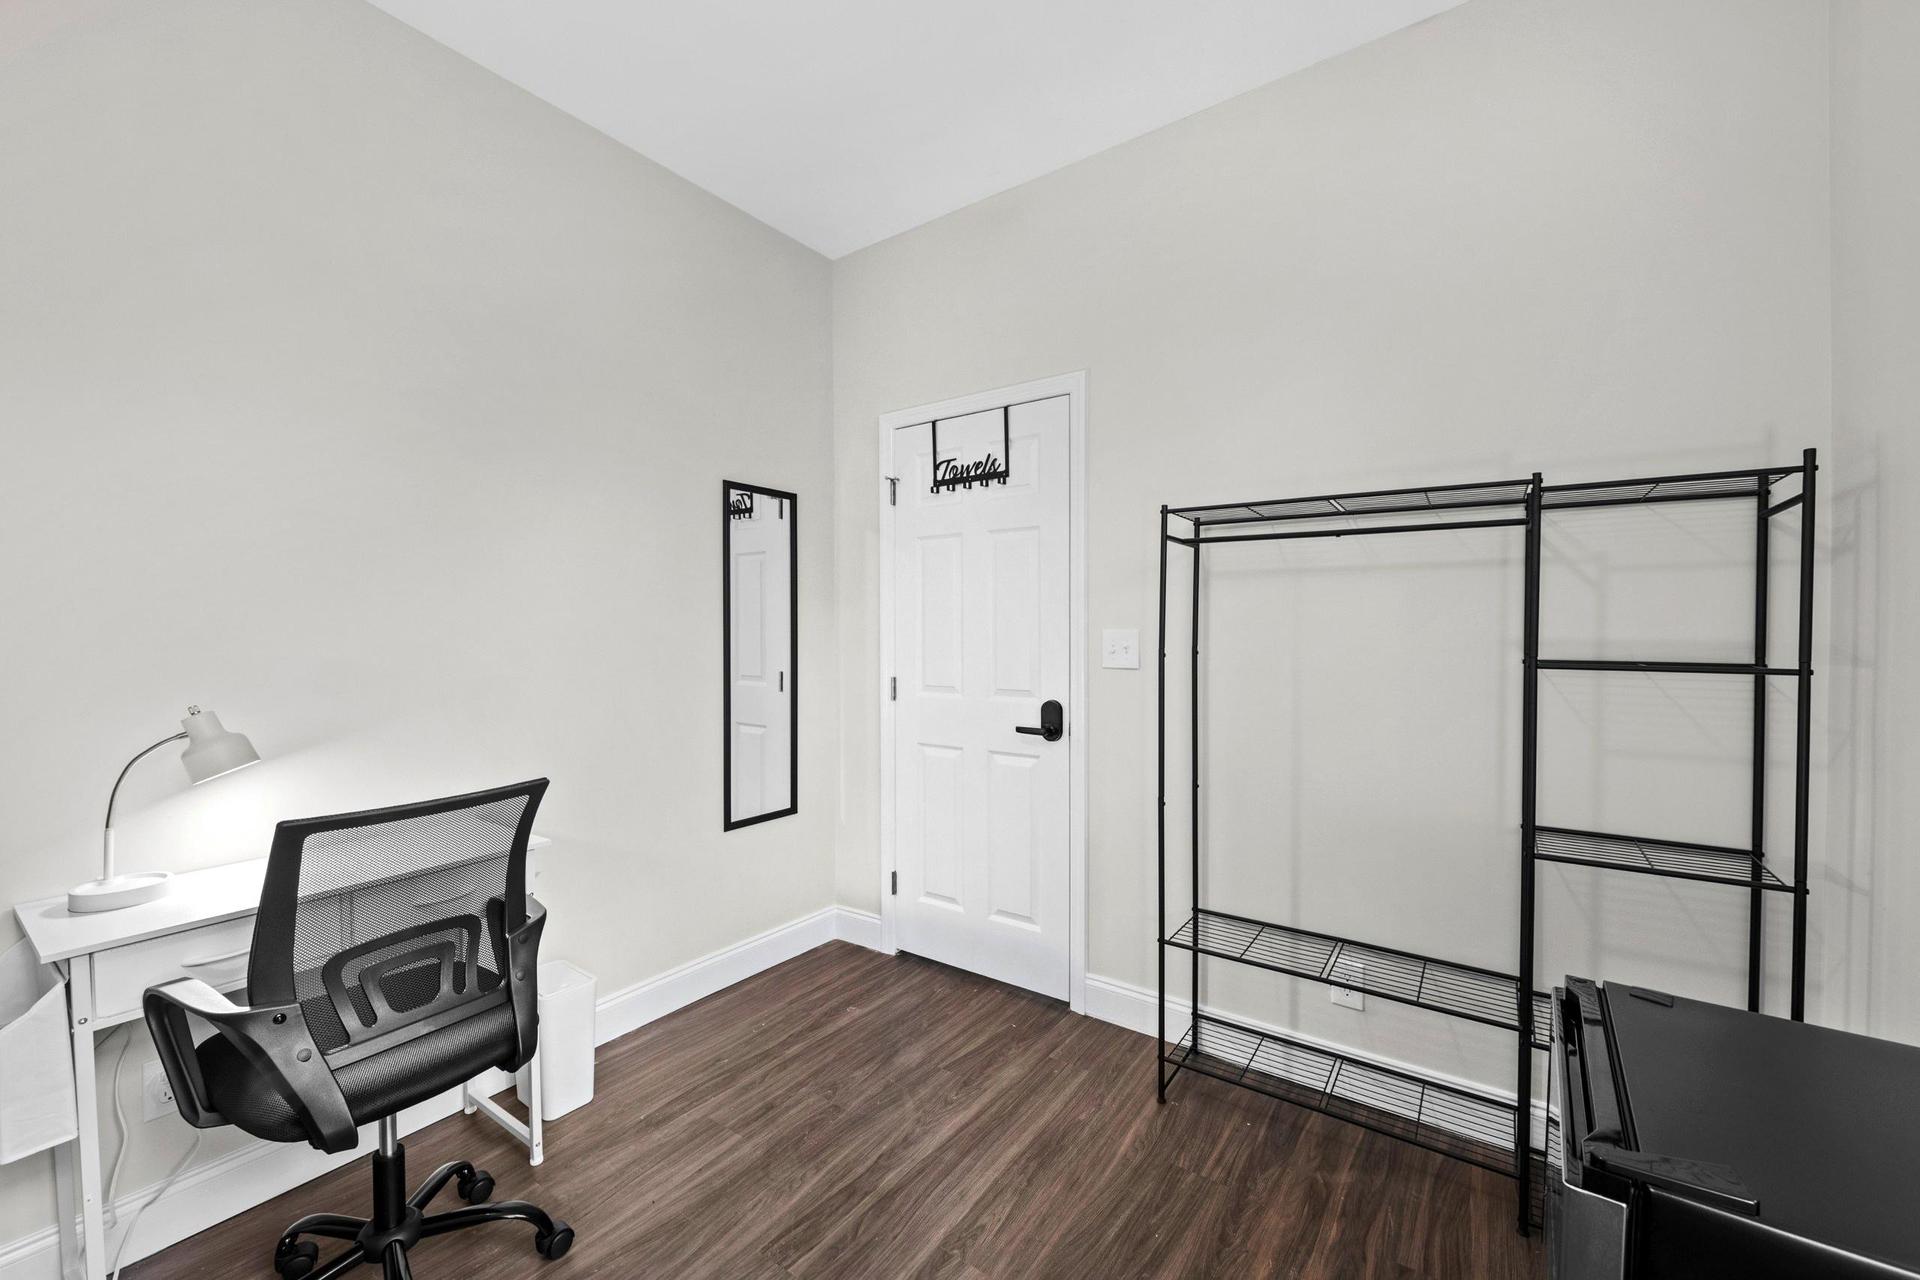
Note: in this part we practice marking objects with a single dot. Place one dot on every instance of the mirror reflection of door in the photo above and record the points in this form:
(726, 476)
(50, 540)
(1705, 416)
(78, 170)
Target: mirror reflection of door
(761, 764)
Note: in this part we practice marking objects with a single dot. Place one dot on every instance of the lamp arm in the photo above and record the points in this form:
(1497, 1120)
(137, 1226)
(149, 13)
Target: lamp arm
(106, 849)
(138, 757)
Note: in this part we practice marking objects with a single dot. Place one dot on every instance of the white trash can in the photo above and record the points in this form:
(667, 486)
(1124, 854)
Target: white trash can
(566, 1041)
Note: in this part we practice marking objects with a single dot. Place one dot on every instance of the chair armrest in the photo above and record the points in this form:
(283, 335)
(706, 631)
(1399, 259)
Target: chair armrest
(275, 1042)
(522, 976)
(166, 1011)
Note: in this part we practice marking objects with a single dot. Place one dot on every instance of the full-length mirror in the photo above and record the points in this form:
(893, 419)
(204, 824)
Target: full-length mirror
(760, 626)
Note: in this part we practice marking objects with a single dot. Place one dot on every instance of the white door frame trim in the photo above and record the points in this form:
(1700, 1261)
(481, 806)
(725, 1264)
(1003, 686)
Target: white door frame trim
(1074, 387)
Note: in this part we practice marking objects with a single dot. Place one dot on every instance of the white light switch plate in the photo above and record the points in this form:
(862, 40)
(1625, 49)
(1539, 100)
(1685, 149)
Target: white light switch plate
(1349, 998)
(1120, 647)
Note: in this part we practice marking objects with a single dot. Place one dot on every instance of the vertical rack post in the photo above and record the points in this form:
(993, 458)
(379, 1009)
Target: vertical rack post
(1803, 734)
(1193, 706)
(1529, 763)
(1763, 521)
(1160, 813)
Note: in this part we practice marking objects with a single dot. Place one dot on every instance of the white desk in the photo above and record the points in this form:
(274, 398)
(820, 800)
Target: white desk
(202, 928)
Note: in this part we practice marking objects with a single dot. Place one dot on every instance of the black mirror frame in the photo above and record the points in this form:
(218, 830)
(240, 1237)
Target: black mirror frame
(727, 489)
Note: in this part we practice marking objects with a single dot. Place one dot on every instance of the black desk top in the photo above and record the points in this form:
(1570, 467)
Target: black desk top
(1822, 1126)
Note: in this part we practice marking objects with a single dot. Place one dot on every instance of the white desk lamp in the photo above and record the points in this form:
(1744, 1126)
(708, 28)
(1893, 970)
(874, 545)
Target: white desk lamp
(211, 751)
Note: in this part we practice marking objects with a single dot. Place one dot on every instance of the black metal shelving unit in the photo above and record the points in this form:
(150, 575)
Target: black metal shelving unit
(1737, 868)
(1490, 1132)
(1485, 1131)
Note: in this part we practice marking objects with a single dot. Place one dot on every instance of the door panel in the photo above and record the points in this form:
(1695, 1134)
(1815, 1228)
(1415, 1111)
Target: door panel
(942, 612)
(1016, 612)
(981, 640)
(1013, 811)
(941, 799)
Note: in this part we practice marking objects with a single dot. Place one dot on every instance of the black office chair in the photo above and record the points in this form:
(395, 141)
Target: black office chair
(393, 958)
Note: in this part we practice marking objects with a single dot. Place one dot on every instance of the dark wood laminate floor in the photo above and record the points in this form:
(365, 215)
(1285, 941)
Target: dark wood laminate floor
(849, 1114)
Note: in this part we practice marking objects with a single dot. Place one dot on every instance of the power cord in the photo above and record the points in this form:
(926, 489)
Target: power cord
(110, 1211)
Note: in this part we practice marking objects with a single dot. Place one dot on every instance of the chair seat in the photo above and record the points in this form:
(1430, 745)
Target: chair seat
(375, 1086)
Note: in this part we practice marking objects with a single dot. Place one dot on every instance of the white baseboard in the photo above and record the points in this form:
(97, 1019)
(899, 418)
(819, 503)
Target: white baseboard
(1137, 1009)
(215, 1191)
(861, 928)
(635, 1006)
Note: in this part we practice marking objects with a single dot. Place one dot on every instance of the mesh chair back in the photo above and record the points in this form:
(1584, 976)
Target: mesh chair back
(390, 923)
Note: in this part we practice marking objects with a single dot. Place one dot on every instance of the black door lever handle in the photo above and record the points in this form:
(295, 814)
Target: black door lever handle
(1052, 726)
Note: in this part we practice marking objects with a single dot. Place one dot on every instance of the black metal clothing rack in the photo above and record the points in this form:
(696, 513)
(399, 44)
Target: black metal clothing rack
(1470, 1126)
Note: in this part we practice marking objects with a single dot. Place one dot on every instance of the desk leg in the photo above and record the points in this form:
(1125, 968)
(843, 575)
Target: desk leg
(66, 1207)
(93, 1234)
(527, 1134)
(536, 1143)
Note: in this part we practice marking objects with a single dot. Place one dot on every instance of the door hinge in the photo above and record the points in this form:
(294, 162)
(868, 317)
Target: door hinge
(893, 688)
(894, 883)
(893, 490)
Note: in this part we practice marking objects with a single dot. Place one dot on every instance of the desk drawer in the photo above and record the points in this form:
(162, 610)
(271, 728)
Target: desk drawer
(214, 953)
(217, 953)
(439, 895)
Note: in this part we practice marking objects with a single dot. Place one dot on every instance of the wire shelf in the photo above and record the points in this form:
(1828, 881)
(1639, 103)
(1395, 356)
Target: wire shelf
(1685, 668)
(1694, 488)
(1451, 1121)
(1680, 860)
(1478, 995)
(1453, 497)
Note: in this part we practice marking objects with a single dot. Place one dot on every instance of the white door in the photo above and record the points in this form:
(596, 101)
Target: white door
(981, 627)
(760, 621)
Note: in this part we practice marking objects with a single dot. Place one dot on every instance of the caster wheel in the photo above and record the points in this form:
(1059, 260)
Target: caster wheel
(297, 1260)
(478, 1189)
(554, 1244)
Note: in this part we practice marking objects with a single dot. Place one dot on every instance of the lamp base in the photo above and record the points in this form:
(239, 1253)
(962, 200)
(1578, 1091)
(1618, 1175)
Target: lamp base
(118, 892)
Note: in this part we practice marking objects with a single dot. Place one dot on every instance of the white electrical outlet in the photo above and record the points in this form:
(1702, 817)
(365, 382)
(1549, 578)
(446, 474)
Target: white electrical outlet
(1348, 998)
(156, 1095)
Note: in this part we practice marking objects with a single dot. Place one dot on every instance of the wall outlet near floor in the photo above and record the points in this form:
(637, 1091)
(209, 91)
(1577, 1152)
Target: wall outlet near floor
(1348, 998)
(156, 1095)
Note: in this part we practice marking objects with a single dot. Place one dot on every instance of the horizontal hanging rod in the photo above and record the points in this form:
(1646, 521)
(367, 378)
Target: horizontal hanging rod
(1204, 541)
(1690, 668)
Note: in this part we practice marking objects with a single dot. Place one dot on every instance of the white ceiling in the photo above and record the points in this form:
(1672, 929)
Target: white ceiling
(843, 122)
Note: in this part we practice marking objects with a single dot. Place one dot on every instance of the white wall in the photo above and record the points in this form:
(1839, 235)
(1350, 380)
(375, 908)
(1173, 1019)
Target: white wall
(442, 381)
(1588, 236)
(355, 394)
(1875, 688)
